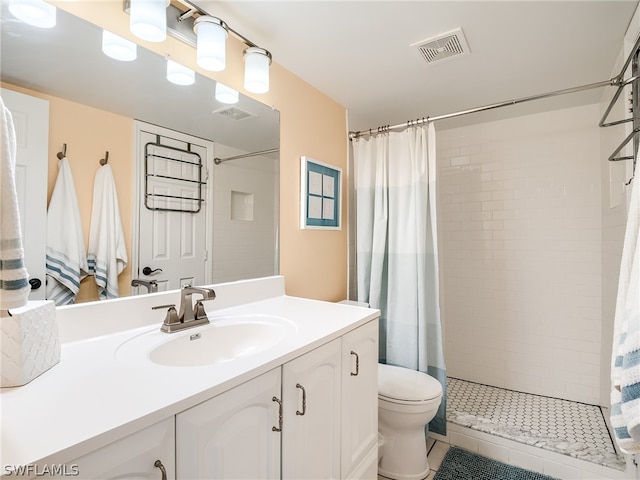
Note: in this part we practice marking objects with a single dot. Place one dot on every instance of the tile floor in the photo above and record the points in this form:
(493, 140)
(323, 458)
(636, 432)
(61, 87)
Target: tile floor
(562, 426)
(435, 453)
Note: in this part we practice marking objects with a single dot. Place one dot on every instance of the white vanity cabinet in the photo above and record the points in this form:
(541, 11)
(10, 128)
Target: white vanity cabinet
(133, 457)
(359, 451)
(312, 395)
(328, 402)
(233, 435)
(296, 398)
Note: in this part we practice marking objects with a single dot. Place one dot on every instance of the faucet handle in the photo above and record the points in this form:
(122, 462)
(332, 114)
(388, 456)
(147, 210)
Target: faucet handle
(158, 307)
(199, 311)
(172, 316)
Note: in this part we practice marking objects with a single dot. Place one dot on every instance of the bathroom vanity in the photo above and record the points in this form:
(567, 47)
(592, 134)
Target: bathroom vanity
(278, 387)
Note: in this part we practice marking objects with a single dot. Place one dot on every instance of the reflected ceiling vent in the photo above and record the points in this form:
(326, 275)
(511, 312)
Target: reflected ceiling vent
(234, 113)
(443, 47)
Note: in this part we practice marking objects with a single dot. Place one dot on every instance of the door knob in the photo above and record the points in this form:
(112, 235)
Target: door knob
(35, 283)
(148, 271)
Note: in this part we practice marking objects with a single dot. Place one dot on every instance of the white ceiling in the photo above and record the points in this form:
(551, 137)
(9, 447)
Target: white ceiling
(357, 52)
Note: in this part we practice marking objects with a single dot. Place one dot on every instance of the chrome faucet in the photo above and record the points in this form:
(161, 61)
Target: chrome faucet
(151, 286)
(189, 315)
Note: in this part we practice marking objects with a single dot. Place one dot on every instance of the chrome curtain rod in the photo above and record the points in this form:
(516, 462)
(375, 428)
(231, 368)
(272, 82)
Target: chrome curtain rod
(421, 121)
(617, 81)
(218, 161)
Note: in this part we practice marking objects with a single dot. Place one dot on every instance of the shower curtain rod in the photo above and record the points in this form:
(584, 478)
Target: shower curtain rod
(218, 161)
(615, 81)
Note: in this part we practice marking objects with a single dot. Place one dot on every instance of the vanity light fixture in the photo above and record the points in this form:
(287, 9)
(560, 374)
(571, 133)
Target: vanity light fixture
(37, 13)
(197, 28)
(148, 19)
(179, 74)
(256, 69)
(118, 48)
(226, 94)
(211, 33)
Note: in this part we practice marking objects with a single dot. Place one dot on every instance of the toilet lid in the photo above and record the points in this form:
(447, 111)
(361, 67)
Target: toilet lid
(405, 385)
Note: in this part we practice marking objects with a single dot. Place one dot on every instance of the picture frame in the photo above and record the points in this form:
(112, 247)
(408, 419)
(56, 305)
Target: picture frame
(320, 195)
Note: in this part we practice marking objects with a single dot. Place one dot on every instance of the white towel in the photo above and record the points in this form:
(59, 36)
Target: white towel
(107, 254)
(66, 254)
(625, 371)
(14, 279)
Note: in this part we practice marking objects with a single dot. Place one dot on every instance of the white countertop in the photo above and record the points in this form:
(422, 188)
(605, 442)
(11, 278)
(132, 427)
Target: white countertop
(91, 398)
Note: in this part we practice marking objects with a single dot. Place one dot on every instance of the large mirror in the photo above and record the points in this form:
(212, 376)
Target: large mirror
(66, 62)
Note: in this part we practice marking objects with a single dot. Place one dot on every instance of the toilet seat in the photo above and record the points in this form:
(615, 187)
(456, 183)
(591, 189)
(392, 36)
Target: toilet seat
(409, 387)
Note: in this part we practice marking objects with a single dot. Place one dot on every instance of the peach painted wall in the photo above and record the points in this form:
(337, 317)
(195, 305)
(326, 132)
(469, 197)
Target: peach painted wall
(88, 133)
(313, 262)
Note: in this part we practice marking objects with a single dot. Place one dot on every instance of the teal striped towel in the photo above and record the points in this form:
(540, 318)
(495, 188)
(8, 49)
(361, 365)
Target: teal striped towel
(625, 372)
(14, 279)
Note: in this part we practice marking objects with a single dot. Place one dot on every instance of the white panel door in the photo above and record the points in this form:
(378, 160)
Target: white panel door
(140, 456)
(173, 227)
(360, 400)
(311, 396)
(31, 122)
(232, 436)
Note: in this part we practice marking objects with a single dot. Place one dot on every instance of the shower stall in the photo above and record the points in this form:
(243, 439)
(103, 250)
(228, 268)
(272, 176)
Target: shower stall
(531, 218)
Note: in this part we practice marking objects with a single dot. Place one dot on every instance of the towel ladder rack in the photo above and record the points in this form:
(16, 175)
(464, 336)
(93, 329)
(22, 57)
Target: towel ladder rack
(169, 155)
(621, 83)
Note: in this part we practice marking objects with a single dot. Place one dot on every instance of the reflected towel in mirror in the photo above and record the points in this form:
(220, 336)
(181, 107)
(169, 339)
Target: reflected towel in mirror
(107, 255)
(66, 254)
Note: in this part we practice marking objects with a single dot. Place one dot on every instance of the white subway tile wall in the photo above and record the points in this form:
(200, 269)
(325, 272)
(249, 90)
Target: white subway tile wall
(520, 252)
(249, 231)
(614, 175)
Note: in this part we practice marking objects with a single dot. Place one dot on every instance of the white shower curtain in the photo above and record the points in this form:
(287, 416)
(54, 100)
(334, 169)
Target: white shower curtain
(396, 249)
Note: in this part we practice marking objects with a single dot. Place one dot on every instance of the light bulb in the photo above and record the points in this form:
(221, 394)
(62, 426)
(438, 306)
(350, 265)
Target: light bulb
(148, 19)
(37, 13)
(211, 43)
(117, 47)
(256, 69)
(179, 74)
(226, 94)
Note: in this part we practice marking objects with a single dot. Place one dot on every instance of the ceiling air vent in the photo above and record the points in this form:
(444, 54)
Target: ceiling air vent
(234, 113)
(446, 46)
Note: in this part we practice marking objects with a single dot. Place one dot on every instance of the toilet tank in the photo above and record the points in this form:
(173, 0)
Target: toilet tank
(354, 303)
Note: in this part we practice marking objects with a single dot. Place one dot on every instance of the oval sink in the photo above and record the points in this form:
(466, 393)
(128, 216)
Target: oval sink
(222, 340)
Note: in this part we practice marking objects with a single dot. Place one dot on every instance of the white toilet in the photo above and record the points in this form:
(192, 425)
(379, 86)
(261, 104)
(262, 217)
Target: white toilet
(407, 401)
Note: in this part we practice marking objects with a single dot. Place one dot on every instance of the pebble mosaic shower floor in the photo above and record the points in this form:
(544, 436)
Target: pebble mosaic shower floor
(562, 426)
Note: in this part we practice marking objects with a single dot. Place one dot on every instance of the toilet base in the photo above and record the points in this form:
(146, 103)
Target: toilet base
(404, 456)
(396, 476)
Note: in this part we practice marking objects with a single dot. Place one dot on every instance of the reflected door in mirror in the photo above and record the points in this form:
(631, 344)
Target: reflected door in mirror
(172, 209)
(31, 123)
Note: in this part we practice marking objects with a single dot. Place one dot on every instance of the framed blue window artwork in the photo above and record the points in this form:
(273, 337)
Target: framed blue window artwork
(321, 195)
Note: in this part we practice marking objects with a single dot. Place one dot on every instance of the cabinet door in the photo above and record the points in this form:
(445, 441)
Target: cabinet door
(360, 399)
(311, 390)
(132, 457)
(232, 435)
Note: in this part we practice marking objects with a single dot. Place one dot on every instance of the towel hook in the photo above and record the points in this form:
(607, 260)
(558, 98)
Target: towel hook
(63, 153)
(105, 160)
